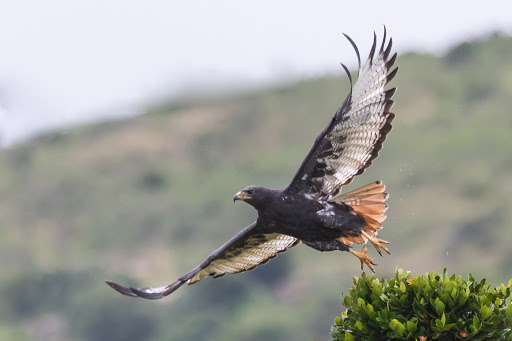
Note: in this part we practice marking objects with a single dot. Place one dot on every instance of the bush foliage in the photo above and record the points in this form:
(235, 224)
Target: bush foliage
(427, 307)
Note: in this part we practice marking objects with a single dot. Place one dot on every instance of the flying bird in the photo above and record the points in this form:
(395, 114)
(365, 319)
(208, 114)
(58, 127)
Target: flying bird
(312, 209)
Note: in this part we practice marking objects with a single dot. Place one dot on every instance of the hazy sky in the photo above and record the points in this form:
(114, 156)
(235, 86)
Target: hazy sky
(66, 61)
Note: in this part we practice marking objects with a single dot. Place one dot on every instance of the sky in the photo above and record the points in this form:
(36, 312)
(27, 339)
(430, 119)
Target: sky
(65, 62)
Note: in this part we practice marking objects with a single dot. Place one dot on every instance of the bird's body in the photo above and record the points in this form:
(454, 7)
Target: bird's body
(312, 209)
(316, 223)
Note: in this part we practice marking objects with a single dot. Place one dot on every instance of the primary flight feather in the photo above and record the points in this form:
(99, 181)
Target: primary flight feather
(312, 209)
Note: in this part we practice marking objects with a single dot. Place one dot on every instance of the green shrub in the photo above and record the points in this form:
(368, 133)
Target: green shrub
(426, 307)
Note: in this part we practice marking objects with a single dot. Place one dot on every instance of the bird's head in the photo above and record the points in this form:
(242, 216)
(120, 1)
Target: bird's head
(256, 196)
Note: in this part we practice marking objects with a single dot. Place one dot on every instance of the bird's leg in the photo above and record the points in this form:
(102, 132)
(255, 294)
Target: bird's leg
(363, 258)
(377, 243)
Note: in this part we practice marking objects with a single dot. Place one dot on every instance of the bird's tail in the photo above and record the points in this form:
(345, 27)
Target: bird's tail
(369, 202)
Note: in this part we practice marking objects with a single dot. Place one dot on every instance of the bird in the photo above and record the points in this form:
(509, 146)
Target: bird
(312, 209)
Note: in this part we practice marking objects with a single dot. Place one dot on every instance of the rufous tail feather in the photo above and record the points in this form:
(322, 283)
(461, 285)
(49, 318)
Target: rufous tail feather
(369, 202)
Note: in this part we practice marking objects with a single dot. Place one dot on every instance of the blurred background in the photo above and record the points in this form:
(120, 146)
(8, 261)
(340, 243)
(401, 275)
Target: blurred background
(127, 126)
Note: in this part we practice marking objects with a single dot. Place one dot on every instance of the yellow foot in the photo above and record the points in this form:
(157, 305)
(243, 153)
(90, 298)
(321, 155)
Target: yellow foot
(363, 258)
(377, 243)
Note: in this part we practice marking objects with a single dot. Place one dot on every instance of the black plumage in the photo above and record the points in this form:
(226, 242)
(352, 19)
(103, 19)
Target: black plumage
(312, 209)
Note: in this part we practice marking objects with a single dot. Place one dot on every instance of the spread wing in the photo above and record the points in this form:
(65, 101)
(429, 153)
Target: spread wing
(245, 251)
(354, 136)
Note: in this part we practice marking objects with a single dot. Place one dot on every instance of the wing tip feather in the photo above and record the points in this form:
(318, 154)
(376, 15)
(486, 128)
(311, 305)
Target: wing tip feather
(391, 61)
(121, 289)
(388, 105)
(147, 293)
(348, 74)
(388, 49)
(355, 48)
(383, 40)
(391, 75)
(389, 93)
(374, 46)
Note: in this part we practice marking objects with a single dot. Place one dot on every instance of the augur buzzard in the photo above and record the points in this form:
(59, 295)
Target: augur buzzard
(312, 209)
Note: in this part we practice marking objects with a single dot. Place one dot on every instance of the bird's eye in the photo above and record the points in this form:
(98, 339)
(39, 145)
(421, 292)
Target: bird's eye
(249, 191)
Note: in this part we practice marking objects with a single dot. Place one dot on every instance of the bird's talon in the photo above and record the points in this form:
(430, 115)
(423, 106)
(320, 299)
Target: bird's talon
(364, 258)
(377, 243)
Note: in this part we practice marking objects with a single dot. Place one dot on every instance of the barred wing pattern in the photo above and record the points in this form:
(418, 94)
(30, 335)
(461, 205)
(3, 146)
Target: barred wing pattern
(353, 138)
(255, 250)
(245, 251)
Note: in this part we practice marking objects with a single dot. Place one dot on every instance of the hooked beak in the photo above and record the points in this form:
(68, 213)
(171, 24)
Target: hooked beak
(240, 196)
(237, 196)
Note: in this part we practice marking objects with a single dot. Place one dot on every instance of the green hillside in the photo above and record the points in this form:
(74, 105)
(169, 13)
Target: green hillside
(143, 200)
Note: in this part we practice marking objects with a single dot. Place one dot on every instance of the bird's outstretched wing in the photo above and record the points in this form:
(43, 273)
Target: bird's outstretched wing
(354, 136)
(245, 251)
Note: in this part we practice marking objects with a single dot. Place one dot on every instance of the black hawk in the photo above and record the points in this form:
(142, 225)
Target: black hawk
(312, 209)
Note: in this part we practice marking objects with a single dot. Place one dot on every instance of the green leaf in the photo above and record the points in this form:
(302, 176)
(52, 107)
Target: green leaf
(439, 325)
(412, 326)
(470, 278)
(449, 326)
(485, 312)
(397, 327)
(348, 301)
(476, 323)
(439, 307)
(508, 311)
(503, 288)
(498, 301)
(377, 290)
(448, 287)
(403, 299)
(454, 294)
(447, 300)
(403, 288)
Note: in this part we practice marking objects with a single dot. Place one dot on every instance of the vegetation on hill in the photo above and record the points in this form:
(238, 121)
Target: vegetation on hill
(145, 199)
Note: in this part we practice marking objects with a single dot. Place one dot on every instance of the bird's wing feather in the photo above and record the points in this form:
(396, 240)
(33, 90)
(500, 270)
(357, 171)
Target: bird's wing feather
(245, 251)
(354, 136)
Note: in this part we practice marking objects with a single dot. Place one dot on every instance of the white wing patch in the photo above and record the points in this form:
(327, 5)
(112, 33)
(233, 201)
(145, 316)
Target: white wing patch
(255, 250)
